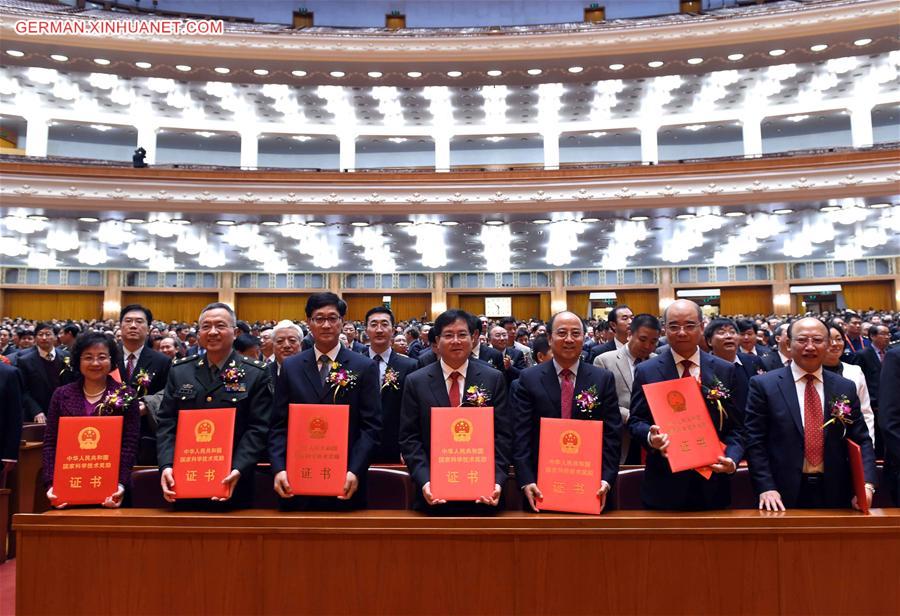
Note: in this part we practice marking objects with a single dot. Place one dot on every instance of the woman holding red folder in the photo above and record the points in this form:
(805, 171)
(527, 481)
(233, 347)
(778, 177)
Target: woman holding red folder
(94, 392)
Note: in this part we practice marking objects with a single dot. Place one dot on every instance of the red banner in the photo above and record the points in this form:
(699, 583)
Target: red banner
(570, 462)
(462, 452)
(318, 438)
(679, 410)
(88, 449)
(203, 444)
(854, 454)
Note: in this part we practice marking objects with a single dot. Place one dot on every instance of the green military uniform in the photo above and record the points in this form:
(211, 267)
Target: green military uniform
(241, 383)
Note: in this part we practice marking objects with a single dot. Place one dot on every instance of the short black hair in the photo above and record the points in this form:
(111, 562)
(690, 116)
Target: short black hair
(506, 321)
(477, 325)
(873, 331)
(742, 325)
(412, 329)
(321, 300)
(553, 318)
(645, 320)
(136, 307)
(89, 339)
(540, 344)
(431, 334)
(25, 332)
(243, 326)
(613, 315)
(45, 325)
(449, 317)
(379, 310)
(72, 329)
(832, 324)
(219, 306)
(521, 332)
(717, 324)
(244, 342)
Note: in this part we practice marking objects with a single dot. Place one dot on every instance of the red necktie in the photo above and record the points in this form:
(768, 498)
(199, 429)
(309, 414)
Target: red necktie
(568, 393)
(813, 439)
(129, 367)
(686, 368)
(454, 389)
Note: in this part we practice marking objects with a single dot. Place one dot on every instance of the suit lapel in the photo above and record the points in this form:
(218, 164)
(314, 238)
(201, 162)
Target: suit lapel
(439, 394)
(551, 386)
(665, 365)
(789, 393)
(311, 372)
(624, 368)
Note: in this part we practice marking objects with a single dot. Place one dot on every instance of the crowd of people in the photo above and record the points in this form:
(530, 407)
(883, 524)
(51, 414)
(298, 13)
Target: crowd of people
(782, 378)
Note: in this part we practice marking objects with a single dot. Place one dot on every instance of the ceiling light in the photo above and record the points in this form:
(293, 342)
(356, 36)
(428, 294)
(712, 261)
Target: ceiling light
(535, 71)
(683, 216)
(316, 223)
(597, 134)
(494, 72)
(829, 208)
(59, 57)
(493, 223)
(204, 133)
(782, 211)
(359, 223)
(101, 127)
(576, 69)
(616, 67)
(454, 73)
(590, 219)
(734, 57)
(135, 221)
(879, 206)
(222, 70)
(144, 65)
(862, 42)
(541, 221)
(403, 223)
(449, 223)
(298, 73)
(695, 60)
(182, 67)
(38, 218)
(797, 118)
(180, 221)
(270, 223)
(735, 214)
(414, 74)
(101, 61)
(776, 52)
(337, 74)
(495, 139)
(820, 47)
(301, 137)
(226, 223)
(260, 71)
(89, 219)
(655, 63)
(639, 218)
(695, 127)
(375, 74)
(15, 53)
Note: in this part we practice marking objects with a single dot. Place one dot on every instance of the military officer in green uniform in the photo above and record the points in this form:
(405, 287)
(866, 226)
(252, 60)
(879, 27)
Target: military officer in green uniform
(221, 378)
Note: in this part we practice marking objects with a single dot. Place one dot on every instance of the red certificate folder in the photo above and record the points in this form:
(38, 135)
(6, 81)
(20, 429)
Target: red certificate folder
(569, 465)
(679, 410)
(462, 452)
(86, 471)
(318, 438)
(203, 444)
(854, 453)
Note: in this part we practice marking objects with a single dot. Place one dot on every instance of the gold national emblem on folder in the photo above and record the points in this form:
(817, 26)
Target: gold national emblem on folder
(462, 431)
(88, 438)
(676, 401)
(204, 431)
(318, 427)
(570, 441)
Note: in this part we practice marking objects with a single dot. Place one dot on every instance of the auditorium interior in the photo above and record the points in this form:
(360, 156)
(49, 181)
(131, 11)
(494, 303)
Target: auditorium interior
(514, 159)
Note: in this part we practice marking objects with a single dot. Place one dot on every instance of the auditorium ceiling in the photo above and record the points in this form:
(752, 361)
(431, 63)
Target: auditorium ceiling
(838, 229)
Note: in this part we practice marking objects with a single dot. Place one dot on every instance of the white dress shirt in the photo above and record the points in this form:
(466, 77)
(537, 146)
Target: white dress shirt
(559, 370)
(382, 365)
(799, 376)
(47, 356)
(332, 354)
(126, 353)
(695, 363)
(447, 370)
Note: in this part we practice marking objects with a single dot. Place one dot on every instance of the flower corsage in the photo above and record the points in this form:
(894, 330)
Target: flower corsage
(232, 376)
(715, 394)
(476, 395)
(840, 413)
(142, 380)
(587, 400)
(391, 379)
(116, 401)
(340, 379)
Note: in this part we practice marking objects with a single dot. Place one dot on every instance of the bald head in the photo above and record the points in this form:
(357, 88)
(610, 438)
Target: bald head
(680, 306)
(684, 326)
(809, 343)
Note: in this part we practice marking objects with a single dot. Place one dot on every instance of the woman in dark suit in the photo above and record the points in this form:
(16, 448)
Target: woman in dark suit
(93, 358)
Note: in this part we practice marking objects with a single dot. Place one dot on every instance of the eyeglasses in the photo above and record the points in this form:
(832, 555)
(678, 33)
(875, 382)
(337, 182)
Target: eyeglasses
(331, 320)
(688, 328)
(131, 321)
(816, 341)
(95, 359)
(291, 341)
(573, 333)
(450, 336)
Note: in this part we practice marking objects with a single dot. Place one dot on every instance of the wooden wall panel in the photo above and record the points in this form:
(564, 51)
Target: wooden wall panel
(41, 305)
(411, 306)
(877, 294)
(167, 306)
(746, 300)
(359, 303)
(526, 307)
(252, 307)
(579, 302)
(639, 300)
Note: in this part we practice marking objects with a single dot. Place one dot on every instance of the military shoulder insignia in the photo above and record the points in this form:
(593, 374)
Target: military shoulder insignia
(254, 362)
(185, 360)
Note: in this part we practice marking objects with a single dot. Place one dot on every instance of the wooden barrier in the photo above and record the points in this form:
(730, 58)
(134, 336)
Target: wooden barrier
(148, 561)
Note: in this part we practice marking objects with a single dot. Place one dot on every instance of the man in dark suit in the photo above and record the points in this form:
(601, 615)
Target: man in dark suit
(428, 356)
(782, 354)
(286, 337)
(551, 390)
(796, 457)
(483, 351)
(722, 337)
(303, 381)
(871, 359)
(855, 340)
(889, 421)
(620, 325)
(393, 369)
(352, 334)
(442, 384)
(513, 358)
(747, 333)
(414, 346)
(6, 345)
(685, 490)
(199, 382)
(43, 369)
(10, 421)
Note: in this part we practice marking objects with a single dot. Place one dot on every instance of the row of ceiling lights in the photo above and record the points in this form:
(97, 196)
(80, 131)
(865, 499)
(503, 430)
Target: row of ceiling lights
(734, 57)
(453, 223)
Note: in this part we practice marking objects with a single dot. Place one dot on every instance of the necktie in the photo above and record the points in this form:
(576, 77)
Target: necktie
(129, 367)
(379, 361)
(325, 369)
(813, 440)
(455, 394)
(686, 368)
(567, 388)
